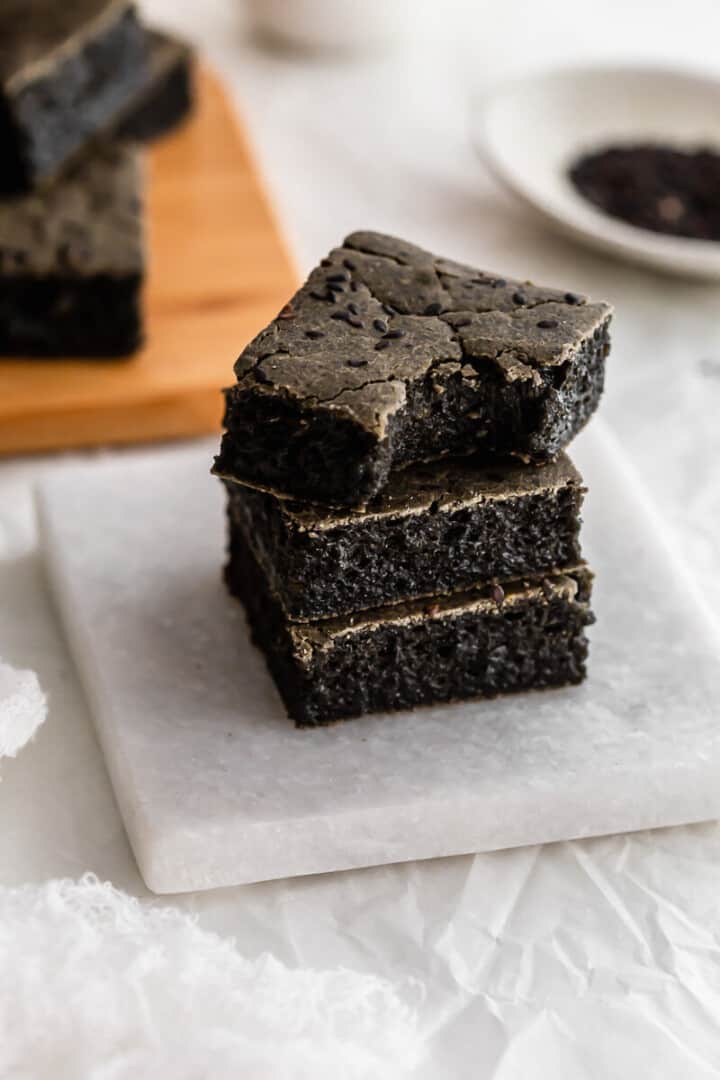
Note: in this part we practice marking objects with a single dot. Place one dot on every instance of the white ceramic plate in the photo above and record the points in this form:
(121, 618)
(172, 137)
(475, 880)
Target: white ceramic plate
(531, 130)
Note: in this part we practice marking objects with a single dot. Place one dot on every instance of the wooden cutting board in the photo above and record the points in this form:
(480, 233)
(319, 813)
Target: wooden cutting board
(218, 272)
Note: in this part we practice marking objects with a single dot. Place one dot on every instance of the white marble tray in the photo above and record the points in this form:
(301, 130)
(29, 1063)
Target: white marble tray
(215, 785)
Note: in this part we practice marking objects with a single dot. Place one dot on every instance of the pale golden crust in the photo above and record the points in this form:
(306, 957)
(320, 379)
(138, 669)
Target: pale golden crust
(308, 638)
(440, 485)
(37, 34)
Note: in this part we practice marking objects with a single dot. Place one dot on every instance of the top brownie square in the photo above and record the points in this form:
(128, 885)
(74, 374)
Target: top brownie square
(390, 355)
(67, 67)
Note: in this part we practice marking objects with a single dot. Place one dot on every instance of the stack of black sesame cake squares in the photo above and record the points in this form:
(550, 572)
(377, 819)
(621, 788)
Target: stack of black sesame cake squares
(82, 82)
(403, 520)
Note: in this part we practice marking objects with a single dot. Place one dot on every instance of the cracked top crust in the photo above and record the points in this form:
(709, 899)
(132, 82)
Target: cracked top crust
(35, 34)
(87, 223)
(380, 312)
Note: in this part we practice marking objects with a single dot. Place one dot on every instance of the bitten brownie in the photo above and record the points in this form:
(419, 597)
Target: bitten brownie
(166, 98)
(493, 640)
(71, 262)
(389, 355)
(435, 529)
(66, 68)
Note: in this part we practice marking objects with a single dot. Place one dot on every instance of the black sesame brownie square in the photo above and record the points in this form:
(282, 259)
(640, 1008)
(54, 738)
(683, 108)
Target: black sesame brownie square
(72, 262)
(524, 635)
(66, 69)
(436, 528)
(389, 355)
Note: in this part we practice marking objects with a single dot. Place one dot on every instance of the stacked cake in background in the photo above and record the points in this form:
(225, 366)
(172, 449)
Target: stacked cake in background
(404, 527)
(79, 79)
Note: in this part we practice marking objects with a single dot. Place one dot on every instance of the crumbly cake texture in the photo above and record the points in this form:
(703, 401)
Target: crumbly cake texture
(389, 355)
(71, 261)
(167, 97)
(436, 528)
(67, 67)
(480, 643)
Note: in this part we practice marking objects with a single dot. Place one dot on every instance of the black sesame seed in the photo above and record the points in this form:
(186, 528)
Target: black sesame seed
(519, 298)
(341, 316)
(353, 308)
(433, 309)
(572, 298)
(380, 325)
(548, 324)
(353, 286)
(326, 262)
(499, 283)
(357, 323)
(356, 363)
(335, 286)
(480, 281)
(341, 276)
(314, 334)
(321, 296)
(349, 264)
(395, 334)
(383, 344)
(389, 310)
